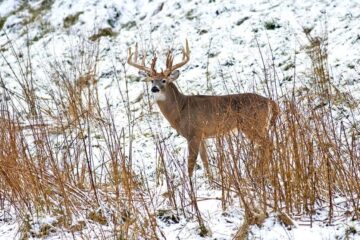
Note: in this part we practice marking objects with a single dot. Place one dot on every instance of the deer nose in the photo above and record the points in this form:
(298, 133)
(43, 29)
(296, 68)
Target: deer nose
(155, 89)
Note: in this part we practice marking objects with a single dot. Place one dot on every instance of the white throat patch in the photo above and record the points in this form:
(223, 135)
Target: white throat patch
(159, 96)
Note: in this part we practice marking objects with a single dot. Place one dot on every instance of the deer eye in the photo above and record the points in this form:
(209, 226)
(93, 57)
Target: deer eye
(163, 81)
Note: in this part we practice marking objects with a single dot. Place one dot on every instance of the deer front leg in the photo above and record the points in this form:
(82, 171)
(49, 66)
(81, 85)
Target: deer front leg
(193, 148)
(205, 159)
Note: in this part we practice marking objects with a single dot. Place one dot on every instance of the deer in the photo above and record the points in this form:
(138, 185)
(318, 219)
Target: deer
(199, 117)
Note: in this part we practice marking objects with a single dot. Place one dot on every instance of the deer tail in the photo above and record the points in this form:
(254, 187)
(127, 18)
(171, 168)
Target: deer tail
(275, 112)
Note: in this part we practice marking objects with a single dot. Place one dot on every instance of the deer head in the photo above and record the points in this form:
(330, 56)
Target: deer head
(159, 79)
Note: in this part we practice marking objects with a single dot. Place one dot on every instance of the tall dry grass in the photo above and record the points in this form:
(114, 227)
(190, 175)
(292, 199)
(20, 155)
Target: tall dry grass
(63, 155)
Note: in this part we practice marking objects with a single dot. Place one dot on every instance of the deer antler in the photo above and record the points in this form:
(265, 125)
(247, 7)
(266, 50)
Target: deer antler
(134, 63)
(170, 58)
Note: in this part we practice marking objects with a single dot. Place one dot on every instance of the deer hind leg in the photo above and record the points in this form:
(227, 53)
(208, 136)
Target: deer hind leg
(265, 152)
(264, 145)
(266, 148)
(205, 159)
(193, 148)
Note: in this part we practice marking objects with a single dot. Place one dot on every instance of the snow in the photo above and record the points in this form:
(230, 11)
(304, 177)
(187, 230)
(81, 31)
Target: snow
(8, 6)
(8, 230)
(204, 24)
(271, 229)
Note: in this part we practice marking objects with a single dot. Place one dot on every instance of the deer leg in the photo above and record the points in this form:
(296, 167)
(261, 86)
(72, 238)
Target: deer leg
(193, 147)
(266, 147)
(265, 150)
(263, 147)
(205, 159)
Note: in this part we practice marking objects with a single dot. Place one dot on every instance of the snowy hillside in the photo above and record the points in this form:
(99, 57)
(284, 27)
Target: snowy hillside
(236, 46)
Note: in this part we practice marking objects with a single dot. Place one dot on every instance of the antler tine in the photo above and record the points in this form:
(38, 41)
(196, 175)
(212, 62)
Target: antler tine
(144, 58)
(153, 64)
(186, 56)
(186, 50)
(169, 59)
(135, 64)
(168, 63)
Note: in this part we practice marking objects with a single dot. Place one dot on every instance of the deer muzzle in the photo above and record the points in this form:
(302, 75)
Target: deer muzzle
(155, 89)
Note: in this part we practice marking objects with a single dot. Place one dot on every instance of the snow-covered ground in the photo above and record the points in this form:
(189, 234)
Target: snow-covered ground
(225, 38)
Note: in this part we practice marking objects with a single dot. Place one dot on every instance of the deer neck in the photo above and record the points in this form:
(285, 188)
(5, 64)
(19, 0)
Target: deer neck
(172, 105)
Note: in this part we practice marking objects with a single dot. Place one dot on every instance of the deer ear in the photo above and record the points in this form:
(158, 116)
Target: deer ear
(143, 74)
(174, 75)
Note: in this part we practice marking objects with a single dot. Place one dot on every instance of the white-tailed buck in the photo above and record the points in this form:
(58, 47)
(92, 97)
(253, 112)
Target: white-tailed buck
(199, 117)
